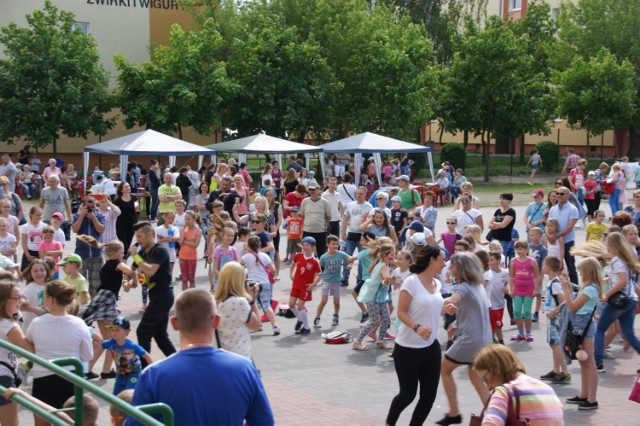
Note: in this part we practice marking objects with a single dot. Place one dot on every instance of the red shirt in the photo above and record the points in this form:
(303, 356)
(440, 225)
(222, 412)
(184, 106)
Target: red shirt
(294, 201)
(306, 269)
(590, 186)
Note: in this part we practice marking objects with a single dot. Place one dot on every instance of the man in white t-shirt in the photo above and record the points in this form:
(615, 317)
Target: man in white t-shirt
(347, 190)
(356, 213)
(335, 204)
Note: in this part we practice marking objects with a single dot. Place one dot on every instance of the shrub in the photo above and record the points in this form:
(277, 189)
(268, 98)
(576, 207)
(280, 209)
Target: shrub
(550, 154)
(455, 154)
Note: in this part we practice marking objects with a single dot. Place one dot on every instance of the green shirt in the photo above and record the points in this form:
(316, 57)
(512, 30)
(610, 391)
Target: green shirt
(168, 206)
(407, 202)
(79, 282)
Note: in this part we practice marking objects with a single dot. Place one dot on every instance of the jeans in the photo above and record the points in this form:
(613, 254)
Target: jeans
(154, 324)
(351, 246)
(413, 366)
(571, 262)
(614, 201)
(626, 316)
(155, 202)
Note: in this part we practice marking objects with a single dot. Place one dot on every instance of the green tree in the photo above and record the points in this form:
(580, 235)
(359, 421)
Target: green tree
(186, 85)
(597, 95)
(51, 82)
(489, 89)
(587, 26)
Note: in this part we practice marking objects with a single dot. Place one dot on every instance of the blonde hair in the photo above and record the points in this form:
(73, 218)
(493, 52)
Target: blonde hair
(552, 221)
(593, 248)
(591, 273)
(264, 202)
(495, 246)
(231, 282)
(618, 246)
(376, 246)
(475, 232)
(112, 247)
(500, 361)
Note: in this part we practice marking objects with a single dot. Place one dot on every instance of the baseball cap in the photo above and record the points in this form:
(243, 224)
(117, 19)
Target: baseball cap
(418, 239)
(121, 322)
(404, 178)
(396, 198)
(295, 209)
(313, 185)
(416, 226)
(309, 240)
(538, 193)
(592, 172)
(58, 215)
(74, 258)
(311, 172)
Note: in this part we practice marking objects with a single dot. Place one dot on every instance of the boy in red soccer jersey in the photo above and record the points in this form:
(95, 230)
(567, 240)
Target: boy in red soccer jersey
(304, 273)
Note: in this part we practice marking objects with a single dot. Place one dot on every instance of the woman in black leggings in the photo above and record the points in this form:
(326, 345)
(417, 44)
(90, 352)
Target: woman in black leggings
(416, 353)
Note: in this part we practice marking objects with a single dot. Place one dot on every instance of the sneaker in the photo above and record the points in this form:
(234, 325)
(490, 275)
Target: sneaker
(388, 336)
(335, 321)
(316, 323)
(179, 278)
(529, 338)
(289, 262)
(110, 375)
(576, 400)
(518, 338)
(586, 405)
(608, 355)
(298, 326)
(512, 322)
(600, 368)
(535, 317)
(344, 283)
(373, 335)
(91, 375)
(304, 331)
(364, 318)
(276, 330)
(578, 225)
(549, 376)
(561, 379)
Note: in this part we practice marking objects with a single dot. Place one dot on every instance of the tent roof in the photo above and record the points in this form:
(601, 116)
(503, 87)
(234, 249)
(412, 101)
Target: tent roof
(263, 144)
(369, 143)
(148, 142)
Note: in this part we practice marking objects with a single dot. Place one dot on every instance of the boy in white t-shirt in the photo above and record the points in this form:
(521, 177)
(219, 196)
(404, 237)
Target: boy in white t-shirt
(554, 298)
(496, 290)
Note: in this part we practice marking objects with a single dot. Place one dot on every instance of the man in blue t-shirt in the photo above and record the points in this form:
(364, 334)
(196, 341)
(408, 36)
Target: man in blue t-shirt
(203, 385)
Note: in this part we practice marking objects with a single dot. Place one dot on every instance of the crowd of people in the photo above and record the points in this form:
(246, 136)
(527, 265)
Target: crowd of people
(463, 276)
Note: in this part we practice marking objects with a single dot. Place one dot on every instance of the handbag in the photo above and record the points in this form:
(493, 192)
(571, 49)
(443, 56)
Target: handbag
(635, 391)
(619, 299)
(513, 415)
(272, 280)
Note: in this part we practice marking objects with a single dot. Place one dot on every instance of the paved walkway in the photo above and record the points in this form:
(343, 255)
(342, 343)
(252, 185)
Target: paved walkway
(311, 383)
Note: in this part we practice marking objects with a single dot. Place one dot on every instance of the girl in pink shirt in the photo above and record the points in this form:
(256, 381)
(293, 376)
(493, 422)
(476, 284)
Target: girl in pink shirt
(50, 248)
(524, 277)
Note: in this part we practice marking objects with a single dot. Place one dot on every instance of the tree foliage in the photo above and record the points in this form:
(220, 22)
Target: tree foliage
(597, 95)
(51, 82)
(186, 85)
(490, 88)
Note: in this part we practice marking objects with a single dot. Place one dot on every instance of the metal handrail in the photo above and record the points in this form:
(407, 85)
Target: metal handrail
(141, 412)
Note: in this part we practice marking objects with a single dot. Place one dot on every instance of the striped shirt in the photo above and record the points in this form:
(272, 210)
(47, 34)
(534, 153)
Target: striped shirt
(538, 403)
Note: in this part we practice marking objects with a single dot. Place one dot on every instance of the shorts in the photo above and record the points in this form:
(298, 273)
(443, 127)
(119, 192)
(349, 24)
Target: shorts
(52, 389)
(330, 289)
(534, 166)
(300, 292)
(358, 286)
(292, 246)
(553, 331)
(495, 317)
(7, 382)
(125, 382)
(264, 296)
(579, 322)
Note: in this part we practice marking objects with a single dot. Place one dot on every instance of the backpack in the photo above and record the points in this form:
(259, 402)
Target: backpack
(337, 337)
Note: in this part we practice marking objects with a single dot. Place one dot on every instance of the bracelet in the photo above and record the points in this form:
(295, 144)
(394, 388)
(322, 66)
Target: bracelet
(416, 327)
(138, 259)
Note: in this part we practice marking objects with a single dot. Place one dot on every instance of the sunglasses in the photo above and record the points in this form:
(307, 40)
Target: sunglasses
(452, 223)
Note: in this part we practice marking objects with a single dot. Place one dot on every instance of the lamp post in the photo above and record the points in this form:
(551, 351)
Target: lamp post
(557, 121)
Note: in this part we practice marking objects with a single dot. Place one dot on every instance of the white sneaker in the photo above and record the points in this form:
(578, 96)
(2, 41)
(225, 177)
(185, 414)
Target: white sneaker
(578, 225)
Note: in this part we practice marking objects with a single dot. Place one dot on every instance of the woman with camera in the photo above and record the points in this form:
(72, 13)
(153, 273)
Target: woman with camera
(236, 307)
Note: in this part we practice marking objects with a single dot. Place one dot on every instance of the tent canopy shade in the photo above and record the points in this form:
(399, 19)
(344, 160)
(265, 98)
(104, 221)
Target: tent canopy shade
(148, 142)
(369, 143)
(263, 144)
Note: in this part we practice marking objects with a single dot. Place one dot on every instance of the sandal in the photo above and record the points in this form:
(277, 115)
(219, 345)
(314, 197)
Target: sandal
(358, 346)
(383, 345)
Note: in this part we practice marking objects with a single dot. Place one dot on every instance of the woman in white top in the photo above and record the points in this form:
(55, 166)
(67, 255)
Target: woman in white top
(57, 335)
(416, 353)
(10, 331)
(236, 307)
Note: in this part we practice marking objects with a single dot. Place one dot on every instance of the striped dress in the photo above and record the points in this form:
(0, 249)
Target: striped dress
(538, 403)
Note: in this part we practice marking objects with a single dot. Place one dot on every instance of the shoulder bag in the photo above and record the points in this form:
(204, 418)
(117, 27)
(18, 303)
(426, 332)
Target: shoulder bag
(272, 280)
(572, 341)
(513, 415)
(619, 299)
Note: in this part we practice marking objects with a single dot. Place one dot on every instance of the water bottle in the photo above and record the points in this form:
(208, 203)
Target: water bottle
(172, 244)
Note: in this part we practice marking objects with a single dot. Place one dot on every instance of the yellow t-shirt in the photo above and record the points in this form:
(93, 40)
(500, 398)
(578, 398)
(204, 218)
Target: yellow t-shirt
(167, 206)
(595, 231)
(80, 283)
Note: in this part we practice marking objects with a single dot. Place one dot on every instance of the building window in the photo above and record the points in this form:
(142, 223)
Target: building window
(514, 5)
(82, 26)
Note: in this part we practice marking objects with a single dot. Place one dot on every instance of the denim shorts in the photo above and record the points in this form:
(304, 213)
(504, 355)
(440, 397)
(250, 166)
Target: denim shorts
(579, 322)
(553, 331)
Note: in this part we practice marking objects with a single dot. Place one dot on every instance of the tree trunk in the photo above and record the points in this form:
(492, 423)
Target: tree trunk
(522, 149)
(441, 134)
(486, 161)
(55, 148)
(586, 154)
(465, 138)
(631, 152)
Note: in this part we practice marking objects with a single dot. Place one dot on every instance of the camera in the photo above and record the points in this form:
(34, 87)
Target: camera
(89, 209)
(252, 284)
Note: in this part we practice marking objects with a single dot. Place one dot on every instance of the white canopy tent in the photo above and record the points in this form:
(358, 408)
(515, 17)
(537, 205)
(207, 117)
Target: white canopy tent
(265, 144)
(146, 142)
(371, 143)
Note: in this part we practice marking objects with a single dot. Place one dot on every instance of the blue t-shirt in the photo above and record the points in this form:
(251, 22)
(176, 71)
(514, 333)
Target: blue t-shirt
(126, 357)
(332, 266)
(365, 260)
(538, 253)
(591, 291)
(205, 386)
